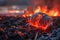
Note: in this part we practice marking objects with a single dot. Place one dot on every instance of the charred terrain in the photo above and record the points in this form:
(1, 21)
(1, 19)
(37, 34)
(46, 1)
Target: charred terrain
(17, 28)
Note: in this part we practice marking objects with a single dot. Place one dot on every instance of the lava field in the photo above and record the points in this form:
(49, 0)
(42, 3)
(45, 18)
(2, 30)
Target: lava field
(16, 28)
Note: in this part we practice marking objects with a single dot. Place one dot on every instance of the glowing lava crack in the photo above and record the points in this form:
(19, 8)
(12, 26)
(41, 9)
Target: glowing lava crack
(40, 20)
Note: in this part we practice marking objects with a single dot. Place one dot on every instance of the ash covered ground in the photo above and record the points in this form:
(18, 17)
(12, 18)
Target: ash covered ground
(16, 28)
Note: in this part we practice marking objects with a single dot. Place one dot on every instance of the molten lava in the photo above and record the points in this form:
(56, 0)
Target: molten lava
(40, 21)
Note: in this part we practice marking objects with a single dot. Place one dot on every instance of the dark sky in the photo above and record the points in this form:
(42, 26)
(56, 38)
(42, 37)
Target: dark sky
(3, 2)
(15, 2)
(26, 2)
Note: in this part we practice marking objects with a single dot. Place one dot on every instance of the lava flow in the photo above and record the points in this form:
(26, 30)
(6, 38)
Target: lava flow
(40, 20)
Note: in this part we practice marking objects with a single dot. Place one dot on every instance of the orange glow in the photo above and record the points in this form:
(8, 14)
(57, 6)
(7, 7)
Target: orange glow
(56, 13)
(52, 12)
(38, 9)
(36, 22)
(12, 11)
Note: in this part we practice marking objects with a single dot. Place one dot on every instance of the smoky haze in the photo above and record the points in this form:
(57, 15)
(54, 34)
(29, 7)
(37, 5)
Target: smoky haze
(29, 2)
(49, 3)
(15, 2)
